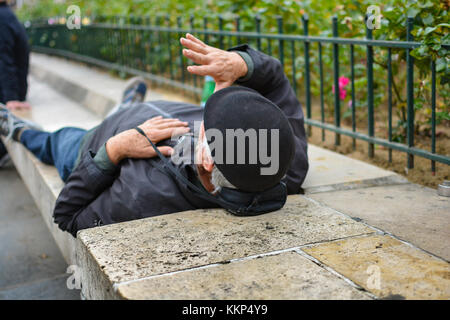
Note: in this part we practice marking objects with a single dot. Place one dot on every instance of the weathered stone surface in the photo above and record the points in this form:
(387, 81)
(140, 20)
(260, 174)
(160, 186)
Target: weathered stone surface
(52, 110)
(44, 185)
(178, 241)
(404, 271)
(411, 212)
(329, 168)
(28, 252)
(283, 276)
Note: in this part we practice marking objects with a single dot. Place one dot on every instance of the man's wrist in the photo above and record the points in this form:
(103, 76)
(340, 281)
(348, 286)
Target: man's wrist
(249, 66)
(241, 66)
(103, 162)
(114, 150)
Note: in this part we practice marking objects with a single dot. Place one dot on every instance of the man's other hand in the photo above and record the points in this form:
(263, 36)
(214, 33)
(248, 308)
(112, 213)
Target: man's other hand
(224, 66)
(17, 105)
(131, 144)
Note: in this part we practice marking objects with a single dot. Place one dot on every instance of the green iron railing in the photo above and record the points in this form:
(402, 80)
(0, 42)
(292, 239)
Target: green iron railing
(151, 48)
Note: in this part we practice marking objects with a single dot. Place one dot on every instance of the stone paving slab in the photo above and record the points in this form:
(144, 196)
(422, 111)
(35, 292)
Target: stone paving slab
(404, 272)
(412, 212)
(283, 276)
(44, 185)
(92, 87)
(52, 110)
(45, 289)
(328, 169)
(28, 252)
(179, 241)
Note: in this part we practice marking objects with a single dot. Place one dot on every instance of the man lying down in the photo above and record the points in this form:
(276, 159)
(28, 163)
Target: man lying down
(245, 151)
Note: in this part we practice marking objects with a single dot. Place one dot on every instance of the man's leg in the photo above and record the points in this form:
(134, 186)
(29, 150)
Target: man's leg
(59, 148)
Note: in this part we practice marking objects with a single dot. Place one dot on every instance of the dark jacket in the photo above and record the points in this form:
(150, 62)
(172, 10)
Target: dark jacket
(14, 56)
(141, 187)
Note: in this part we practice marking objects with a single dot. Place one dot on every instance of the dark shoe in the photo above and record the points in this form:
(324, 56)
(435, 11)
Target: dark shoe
(135, 91)
(4, 160)
(10, 125)
(4, 156)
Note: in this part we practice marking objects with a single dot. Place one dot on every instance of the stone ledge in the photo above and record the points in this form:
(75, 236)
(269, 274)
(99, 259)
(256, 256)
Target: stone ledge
(180, 241)
(283, 276)
(44, 184)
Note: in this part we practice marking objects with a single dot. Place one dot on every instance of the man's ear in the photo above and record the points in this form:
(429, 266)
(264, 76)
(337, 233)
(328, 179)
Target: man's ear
(207, 163)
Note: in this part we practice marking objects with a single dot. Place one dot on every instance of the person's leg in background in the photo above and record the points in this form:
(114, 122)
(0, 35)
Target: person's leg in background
(59, 148)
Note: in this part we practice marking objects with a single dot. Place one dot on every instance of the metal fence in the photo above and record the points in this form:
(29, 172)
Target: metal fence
(150, 47)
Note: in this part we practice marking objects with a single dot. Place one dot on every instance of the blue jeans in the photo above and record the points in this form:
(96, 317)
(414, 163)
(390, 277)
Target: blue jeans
(59, 148)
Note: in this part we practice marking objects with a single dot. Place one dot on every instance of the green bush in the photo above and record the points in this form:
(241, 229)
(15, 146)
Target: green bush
(430, 28)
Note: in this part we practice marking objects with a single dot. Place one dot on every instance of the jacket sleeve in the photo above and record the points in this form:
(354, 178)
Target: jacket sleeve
(268, 78)
(77, 205)
(8, 70)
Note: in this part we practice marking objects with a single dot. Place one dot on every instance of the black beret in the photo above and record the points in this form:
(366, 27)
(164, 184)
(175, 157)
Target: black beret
(249, 124)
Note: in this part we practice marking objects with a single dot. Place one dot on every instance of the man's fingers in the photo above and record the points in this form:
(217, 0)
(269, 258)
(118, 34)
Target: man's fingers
(154, 119)
(166, 151)
(162, 122)
(158, 120)
(171, 124)
(169, 132)
(193, 46)
(193, 38)
(200, 70)
(196, 57)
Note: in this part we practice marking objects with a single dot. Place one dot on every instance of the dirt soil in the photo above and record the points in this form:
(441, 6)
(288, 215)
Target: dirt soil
(421, 174)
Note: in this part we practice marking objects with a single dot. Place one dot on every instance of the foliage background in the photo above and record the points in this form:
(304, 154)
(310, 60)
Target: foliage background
(431, 26)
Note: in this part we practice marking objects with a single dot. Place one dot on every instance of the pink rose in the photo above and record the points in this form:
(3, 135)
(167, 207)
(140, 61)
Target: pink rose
(343, 82)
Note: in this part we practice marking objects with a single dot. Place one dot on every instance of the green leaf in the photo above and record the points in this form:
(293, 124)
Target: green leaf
(427, 4)
(428, 19)
(441, 64)
(428, 30)
(412, 12)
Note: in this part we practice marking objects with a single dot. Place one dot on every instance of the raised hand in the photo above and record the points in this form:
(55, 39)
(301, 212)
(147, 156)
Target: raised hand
(225, 67)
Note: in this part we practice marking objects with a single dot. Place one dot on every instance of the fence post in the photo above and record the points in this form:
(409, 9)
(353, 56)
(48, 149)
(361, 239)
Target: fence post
(370, 110)
(305, 20)
(280, 42)
(205, 27)
(169, 47)
(390, 100)
(180, 49)
(410, 93)
(352, 70)
(337, 103)
(238, 29)
(192, 26)
(433, 115)
(258, 30)
(148, 60)
(322, 109)
(220, 29)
